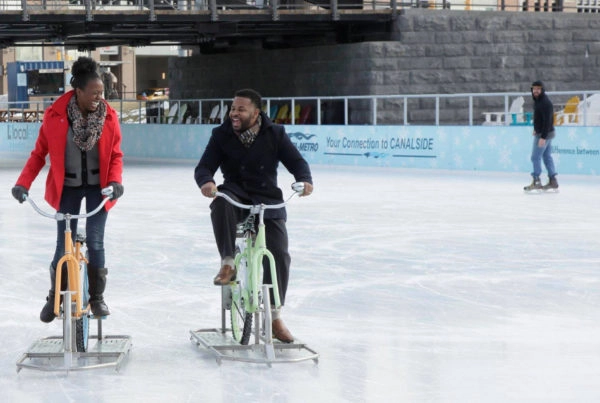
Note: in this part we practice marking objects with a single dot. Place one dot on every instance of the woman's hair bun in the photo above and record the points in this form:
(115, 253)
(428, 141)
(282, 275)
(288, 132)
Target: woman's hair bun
(82, 71)
(83, 66)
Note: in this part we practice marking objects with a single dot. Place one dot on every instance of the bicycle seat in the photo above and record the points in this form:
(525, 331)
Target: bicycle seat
(245, 226)
(80, 237)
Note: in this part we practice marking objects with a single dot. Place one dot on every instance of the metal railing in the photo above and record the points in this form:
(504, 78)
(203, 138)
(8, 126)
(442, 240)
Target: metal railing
(217, 6)
(420, 109)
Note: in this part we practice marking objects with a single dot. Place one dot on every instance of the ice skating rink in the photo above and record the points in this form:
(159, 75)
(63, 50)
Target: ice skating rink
(414, 286)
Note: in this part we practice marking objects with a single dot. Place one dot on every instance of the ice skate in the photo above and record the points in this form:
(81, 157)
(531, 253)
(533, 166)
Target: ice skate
(536, 184)
(552, 184)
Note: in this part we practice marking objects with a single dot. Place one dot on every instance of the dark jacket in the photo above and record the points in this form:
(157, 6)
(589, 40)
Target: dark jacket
(543, 116)
(251, 173)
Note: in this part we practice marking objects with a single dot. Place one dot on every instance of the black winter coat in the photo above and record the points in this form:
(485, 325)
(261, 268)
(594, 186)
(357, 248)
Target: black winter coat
(251, 173)
(543, 116)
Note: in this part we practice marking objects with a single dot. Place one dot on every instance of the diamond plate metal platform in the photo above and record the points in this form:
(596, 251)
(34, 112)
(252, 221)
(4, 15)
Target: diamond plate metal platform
(48, 354)
(224, 347)
(264, 350)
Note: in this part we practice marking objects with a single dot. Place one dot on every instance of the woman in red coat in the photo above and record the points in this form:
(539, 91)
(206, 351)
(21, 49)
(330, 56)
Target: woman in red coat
(81, 134)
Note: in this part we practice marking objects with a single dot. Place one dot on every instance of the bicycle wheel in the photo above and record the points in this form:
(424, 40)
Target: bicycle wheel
(241, 321)
(82, 325)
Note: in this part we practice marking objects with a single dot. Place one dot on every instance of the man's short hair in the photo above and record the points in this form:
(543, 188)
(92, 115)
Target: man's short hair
(537, 83)
(252, 95)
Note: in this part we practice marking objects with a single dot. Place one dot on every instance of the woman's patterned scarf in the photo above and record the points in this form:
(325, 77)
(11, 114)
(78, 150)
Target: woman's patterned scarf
(86, 131)
(248, 136)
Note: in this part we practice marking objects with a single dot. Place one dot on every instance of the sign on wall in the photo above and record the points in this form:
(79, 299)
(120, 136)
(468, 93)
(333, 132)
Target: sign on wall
(576, 150)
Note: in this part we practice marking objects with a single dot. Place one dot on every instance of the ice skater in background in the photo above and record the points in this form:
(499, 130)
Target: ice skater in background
(81, 134)
(543, 133)
(248, 148)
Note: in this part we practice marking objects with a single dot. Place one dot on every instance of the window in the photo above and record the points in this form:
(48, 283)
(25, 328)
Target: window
(45, 82)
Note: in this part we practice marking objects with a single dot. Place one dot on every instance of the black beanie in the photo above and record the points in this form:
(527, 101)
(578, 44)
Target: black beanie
(537, 83)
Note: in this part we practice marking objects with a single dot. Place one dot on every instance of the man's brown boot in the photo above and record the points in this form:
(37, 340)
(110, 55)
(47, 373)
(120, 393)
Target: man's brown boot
(281, 332)
(225, 276)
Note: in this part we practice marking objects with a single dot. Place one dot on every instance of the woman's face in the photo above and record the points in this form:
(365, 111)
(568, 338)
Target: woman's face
(90, 97)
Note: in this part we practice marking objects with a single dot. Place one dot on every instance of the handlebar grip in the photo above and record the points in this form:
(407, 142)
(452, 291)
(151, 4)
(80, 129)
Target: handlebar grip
(298, 187)
(107, 191)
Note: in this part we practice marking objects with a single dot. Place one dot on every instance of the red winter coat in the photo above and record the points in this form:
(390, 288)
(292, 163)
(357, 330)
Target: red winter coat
(52, 141)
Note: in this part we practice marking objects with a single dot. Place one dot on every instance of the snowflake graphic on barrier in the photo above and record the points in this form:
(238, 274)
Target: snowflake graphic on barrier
(458, 161)
(505, 157)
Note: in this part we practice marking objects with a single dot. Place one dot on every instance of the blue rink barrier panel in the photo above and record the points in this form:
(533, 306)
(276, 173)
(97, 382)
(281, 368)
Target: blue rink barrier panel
(17, 140)
(576, 150)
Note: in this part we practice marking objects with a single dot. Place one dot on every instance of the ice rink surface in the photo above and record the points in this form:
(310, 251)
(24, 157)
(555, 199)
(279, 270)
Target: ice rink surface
(414, 286)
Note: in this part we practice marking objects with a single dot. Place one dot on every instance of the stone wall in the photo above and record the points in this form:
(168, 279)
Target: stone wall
(437, 51)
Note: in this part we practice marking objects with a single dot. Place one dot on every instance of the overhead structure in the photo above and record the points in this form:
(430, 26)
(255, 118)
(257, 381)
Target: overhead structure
(212, 24)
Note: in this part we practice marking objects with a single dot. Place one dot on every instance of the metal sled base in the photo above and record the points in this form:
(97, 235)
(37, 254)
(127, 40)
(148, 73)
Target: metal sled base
(59, 353)
(265, 350)
(48, 354)
(224, 347)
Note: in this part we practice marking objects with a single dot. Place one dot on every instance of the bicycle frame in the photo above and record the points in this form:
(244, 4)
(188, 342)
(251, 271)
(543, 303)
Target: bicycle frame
(254, 252)
(72, 256)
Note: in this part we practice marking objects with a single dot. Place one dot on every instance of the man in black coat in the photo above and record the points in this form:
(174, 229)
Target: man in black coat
(248, 148)
(543, 133)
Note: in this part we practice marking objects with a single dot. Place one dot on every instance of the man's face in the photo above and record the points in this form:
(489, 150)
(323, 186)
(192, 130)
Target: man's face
(243, 114)
(90, 97)
(536, 90)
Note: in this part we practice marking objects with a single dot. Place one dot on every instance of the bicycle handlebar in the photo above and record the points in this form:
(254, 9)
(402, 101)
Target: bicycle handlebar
(298, 188)
(107, 191)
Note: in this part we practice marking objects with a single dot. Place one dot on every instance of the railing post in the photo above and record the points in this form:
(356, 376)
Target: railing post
(293, 111)
(437, 110)
(506, 110)
(213, 10)
(268, 112)
(374, 110)
(335, 13)
(88, 10)
(405, 116)
(319, 111)
(345, 111)
(470, 110)
(585, 109)
(152, 13)
(25, 14)
(275, 9)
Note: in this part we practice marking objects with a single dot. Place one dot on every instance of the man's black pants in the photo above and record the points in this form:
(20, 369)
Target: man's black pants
(225, 217)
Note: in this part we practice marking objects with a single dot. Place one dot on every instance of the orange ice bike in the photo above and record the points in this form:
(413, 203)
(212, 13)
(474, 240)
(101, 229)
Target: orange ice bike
(71, 351)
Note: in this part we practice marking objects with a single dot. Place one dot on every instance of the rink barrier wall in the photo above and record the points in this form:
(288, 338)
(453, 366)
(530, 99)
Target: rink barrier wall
(576, 149)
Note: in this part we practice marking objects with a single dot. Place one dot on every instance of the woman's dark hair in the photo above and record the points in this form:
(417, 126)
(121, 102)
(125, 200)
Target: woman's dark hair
(83, 70)
(252, 95)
